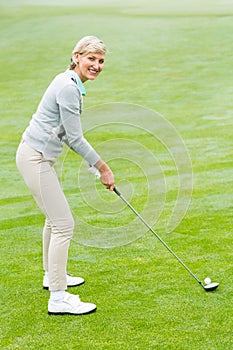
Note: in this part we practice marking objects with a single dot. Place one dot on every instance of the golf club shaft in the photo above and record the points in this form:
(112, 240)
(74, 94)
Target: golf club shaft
(158, 237)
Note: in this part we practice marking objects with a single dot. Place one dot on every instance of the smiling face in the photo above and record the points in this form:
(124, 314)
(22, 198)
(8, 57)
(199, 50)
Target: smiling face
(89, 66)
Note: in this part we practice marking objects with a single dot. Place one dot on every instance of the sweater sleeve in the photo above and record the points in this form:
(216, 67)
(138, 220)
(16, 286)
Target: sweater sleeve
(69, 101)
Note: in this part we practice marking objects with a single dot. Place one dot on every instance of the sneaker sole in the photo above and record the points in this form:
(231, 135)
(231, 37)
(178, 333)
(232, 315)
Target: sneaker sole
(73, 285)
(69, 313)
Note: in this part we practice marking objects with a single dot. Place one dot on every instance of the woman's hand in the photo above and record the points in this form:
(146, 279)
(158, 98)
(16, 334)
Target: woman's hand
(106, 175)
(107, 179)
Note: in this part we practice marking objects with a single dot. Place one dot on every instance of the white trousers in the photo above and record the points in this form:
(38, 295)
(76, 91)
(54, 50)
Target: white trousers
(41, 178)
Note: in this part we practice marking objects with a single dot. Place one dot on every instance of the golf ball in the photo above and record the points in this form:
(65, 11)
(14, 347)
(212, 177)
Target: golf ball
(207, 280)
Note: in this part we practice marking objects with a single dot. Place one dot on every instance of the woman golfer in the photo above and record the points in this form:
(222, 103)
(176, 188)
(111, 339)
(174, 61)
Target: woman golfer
(57, 121)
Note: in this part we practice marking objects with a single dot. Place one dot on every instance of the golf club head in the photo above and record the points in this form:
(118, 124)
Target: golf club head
(210, 287)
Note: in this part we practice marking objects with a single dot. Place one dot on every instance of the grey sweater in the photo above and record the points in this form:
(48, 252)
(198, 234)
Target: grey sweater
(57, 120)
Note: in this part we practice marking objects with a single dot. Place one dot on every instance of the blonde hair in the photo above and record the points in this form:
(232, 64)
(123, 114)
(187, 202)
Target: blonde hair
(86, 45)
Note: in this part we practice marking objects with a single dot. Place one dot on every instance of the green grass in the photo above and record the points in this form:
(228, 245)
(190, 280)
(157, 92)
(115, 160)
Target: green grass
(173, 58)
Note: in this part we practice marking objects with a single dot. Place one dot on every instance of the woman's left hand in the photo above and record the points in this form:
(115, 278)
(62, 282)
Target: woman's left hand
(106, 175)
(107, 179)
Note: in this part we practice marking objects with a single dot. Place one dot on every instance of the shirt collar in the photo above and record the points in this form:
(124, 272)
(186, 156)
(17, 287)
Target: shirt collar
(78, 81)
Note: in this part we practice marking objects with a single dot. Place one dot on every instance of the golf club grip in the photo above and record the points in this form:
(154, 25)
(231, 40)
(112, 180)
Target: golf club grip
(116, 191)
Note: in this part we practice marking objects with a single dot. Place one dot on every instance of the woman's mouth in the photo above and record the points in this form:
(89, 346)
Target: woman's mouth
(92, 71)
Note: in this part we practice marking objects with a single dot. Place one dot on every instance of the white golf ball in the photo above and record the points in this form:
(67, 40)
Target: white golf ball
(207, 280)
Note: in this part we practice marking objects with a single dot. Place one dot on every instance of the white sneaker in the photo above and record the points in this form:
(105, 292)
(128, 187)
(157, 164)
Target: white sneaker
(71, 305)
(71, 281)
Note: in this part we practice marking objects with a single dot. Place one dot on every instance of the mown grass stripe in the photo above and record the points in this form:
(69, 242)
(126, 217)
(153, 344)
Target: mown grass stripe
(12, 200)
(21, 221)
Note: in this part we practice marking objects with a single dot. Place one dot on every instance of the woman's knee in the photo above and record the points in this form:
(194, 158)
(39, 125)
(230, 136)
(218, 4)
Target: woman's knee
(63, 225)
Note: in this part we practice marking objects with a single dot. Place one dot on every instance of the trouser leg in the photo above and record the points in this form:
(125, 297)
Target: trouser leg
(46, 236)
(42, 180)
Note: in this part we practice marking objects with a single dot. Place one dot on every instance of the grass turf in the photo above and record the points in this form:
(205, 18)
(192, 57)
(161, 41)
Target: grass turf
(174, 58)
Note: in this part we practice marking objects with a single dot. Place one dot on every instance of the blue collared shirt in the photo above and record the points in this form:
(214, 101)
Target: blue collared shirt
(78, 82)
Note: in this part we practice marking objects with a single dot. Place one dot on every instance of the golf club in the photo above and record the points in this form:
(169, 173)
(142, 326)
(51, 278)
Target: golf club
(209, 287)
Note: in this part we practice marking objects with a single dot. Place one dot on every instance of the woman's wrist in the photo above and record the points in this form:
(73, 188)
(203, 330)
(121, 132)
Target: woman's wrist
(102, 166)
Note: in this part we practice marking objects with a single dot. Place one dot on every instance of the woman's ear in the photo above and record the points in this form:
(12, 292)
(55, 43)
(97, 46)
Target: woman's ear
(76, 57)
